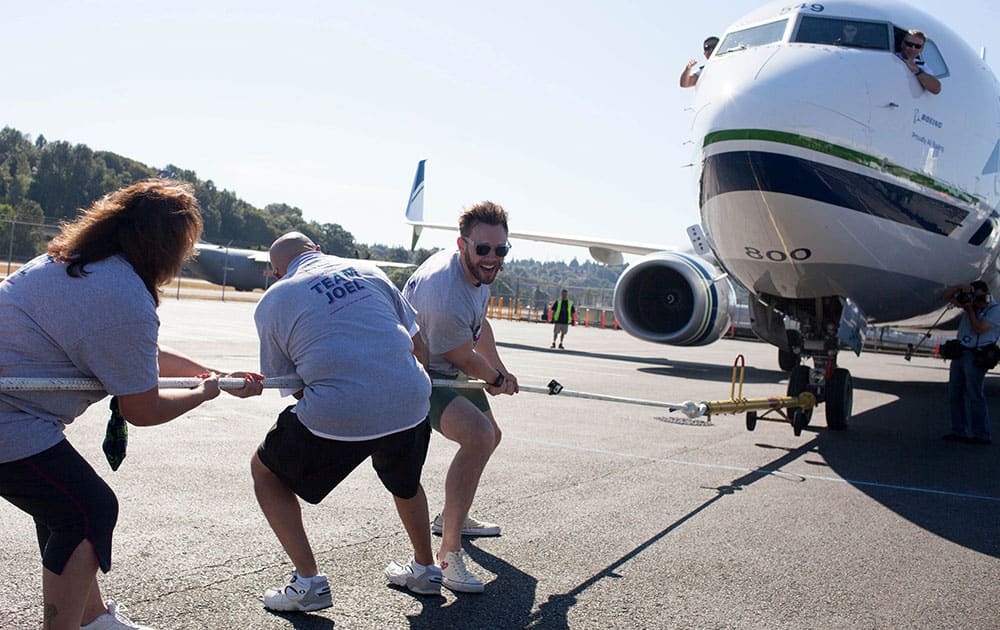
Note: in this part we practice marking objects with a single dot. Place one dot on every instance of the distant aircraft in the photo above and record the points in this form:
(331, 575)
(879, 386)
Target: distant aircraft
(832, 187)
(242, 269)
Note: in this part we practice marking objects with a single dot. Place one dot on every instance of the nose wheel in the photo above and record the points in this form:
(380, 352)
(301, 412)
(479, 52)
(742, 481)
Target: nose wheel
(839, 399)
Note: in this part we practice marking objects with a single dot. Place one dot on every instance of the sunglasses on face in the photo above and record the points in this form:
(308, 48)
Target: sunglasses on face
(708, 47)
(913, 45)
(483, 249)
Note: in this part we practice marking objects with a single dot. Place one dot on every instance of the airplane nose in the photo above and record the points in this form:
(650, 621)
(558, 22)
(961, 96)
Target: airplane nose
(792, 89)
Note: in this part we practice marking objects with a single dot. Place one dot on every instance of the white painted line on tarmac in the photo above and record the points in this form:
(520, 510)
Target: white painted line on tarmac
(765, 471)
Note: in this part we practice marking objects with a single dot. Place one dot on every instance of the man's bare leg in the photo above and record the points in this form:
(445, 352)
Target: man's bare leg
(284, 515)
(477, 436)
(413, 513)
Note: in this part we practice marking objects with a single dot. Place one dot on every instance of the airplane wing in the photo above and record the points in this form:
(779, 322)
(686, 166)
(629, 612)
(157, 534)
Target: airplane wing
(606, 251)
(253, 254)
(390, 265)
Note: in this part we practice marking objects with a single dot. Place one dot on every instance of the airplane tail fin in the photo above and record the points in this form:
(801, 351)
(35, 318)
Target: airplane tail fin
(415, 205)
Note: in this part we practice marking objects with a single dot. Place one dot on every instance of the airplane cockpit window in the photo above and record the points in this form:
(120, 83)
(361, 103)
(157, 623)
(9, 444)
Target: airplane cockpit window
(753, 36)
(840, 32)
(934, 64)
(984, 231)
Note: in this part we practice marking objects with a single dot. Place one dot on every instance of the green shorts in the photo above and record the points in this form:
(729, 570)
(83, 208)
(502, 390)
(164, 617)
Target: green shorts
(441, 397)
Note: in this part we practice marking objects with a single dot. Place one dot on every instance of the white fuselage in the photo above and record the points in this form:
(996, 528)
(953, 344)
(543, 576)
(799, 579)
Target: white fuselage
(829, 171)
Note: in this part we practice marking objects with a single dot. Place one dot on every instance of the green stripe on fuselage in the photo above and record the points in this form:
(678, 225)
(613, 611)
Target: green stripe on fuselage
(835, 150)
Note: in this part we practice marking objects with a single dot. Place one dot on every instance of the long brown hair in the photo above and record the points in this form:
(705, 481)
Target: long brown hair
(153, 224)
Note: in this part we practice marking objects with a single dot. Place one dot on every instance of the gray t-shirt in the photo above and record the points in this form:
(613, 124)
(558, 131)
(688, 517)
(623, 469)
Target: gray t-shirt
(970, 339)
(102, 325)
(450, 309)
(344, 329)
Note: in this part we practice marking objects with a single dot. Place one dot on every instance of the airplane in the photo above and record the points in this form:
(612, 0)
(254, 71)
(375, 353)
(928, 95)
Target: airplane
(832, 187)
(242, 269)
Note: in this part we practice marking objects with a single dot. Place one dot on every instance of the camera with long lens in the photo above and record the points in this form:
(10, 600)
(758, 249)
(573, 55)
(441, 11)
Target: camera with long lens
(965, 297)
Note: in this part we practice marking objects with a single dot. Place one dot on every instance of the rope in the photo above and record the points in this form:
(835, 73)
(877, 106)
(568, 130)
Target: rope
(45, 384)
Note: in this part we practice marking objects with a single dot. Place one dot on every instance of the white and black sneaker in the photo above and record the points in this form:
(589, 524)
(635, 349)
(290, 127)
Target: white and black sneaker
(300, 594)
(418, 578)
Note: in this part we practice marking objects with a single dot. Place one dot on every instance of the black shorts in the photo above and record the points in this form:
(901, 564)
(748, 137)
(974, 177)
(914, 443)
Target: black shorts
(312, 466)
(68, 500)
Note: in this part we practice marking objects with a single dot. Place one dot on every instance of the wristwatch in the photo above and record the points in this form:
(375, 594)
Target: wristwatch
(500, 380)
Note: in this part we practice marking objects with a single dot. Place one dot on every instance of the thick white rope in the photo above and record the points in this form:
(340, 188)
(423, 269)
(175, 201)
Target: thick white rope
(689, 408)
(45, 384)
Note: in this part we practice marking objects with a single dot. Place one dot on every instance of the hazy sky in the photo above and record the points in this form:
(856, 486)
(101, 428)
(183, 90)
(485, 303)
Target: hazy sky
(567, 113)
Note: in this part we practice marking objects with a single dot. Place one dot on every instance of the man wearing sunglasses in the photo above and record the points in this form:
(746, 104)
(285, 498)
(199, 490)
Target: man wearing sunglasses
(910, 49)
(451, 291)
(690, 79)
(978, 330)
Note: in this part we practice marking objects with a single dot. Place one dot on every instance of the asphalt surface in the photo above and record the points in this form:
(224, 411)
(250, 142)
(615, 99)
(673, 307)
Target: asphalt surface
(614, 515)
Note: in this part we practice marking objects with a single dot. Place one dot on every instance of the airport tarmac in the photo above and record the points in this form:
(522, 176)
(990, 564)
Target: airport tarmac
(613, 515)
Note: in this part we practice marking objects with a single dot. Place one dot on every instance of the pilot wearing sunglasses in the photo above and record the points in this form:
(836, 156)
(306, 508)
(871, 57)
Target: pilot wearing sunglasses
(909, 51)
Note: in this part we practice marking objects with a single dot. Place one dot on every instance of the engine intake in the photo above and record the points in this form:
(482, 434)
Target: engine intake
(674, 299)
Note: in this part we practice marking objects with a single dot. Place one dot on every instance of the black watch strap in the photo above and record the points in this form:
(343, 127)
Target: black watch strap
(499, 380)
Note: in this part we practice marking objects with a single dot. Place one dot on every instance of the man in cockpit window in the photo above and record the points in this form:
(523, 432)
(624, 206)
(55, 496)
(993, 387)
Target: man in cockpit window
(910, 49)
(689, 78)
(849, 35)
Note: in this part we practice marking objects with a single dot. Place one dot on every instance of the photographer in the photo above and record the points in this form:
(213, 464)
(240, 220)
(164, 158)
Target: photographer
(974, 355)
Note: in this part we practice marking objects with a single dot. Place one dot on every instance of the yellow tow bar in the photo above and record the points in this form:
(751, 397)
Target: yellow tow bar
(796, 410)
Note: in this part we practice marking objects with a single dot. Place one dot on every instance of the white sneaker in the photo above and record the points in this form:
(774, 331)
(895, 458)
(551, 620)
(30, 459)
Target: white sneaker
(472, 527)
(424, 580)
(455, 576)
(300, 594)
(114, 619)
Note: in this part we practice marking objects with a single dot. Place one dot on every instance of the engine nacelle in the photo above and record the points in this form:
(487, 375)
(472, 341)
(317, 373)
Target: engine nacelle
(674, 299)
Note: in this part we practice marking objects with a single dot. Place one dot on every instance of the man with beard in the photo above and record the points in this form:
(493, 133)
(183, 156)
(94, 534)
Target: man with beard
(451, 292)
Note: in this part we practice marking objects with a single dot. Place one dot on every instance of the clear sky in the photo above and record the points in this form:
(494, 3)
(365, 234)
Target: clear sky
(566, 112)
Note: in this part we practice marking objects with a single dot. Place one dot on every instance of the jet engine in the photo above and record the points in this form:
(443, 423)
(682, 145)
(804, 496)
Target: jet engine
(675, 299)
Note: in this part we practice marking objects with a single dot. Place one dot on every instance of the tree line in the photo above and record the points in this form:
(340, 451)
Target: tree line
(45, 182)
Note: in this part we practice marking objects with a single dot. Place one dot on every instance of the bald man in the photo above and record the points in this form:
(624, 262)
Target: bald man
(345, 330)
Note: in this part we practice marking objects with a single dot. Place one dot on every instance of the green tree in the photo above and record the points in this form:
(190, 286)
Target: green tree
(284, 218)
(67, 179)
(331, 238)
(21, 233)
(16, 157)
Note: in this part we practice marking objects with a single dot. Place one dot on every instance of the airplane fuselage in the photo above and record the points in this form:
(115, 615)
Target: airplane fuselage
(833, 187)
(827, 170)
(243, 269)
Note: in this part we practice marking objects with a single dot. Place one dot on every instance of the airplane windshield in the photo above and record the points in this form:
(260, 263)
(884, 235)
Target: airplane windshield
(753, 36)
(840, 32)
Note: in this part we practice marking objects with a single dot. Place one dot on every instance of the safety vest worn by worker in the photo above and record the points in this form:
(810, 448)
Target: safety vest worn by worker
(558, 310)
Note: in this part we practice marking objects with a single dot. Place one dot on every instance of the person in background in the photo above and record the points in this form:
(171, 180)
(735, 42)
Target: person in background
(563, 315)
(979, 327)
